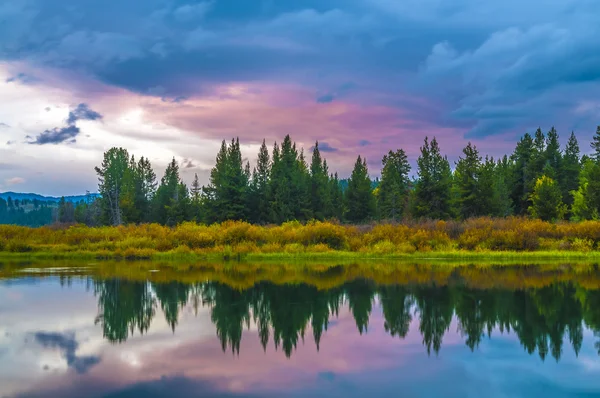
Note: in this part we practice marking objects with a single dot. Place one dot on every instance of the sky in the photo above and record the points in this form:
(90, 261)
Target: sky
(173, 78)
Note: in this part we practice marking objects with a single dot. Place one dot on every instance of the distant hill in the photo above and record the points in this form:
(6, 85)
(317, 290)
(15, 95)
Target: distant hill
(31, 196)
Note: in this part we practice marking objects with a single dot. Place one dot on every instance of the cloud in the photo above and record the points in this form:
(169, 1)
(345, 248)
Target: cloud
(326, 98)
(325, 147)
(67, 344)
(188, 164)
(192, 12)
(9, 142)
(69, 133)
(82, 112)
(4, 126)
(57, 136)
(21, 78)
(364, 143)
(14, 181)
(518, 76)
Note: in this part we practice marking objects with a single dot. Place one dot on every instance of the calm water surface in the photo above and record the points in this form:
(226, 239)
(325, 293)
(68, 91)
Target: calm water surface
(92, 336)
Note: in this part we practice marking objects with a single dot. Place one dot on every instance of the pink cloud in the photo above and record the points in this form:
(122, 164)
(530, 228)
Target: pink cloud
(14, 181)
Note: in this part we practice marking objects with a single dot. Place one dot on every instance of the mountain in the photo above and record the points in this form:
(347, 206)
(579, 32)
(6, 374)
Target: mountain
(41, 198)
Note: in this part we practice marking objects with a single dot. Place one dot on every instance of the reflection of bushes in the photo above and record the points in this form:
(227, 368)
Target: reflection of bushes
(141, 241)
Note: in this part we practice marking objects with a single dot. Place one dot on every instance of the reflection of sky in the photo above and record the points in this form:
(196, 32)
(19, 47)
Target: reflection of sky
(50, 347)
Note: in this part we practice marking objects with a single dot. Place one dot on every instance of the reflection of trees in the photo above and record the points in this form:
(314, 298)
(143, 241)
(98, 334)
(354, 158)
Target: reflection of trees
(540, 318)
(123, 307)
(435, 309)
(397, 303)
(172, 296)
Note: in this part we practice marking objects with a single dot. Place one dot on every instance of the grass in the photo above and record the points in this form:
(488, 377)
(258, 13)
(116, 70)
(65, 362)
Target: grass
(482, 240)
(488, 257)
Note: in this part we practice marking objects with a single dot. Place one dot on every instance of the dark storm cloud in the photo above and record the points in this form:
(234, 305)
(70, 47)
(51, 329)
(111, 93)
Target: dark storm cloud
(493, 66)
(82, 112)
(67, 344)
(68, 133)
(57, 136)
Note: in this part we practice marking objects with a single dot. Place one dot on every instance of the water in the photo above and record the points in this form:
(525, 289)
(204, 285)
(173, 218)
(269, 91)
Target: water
(80, 332)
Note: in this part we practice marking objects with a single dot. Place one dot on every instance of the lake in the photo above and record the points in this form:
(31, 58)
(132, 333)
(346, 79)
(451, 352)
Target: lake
(111, 331)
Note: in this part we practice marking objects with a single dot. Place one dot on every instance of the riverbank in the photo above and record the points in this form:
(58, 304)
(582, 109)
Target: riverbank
(477, 240)
(483, 257)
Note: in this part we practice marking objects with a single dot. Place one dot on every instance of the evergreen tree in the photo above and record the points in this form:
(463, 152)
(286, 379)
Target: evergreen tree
(110, 176)
(553, 155)
(196, 200)
(130, 195)
(571, 168)
(547, 200)
(360, 202)
(289, 186)
(521, 174)
(171, 202)
(146, 188)
(432, 191)
(394, 185)
(487, 194)
(227, 193)
(337, 197)
(595, 144)
(501, 202)
(319, 189)
(467, 180)
(260, 186)
(586, 200)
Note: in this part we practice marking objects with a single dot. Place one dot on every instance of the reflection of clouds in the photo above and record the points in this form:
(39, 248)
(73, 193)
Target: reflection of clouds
(190, 363)
(67, 344)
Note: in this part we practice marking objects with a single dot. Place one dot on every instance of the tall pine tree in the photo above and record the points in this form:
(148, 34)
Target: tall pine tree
(360, 202)
(432, 191)
(394, 185)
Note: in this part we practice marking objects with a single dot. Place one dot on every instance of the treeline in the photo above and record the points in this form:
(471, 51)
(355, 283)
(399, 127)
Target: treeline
(539, 179)
(541, 318)
(26, 212)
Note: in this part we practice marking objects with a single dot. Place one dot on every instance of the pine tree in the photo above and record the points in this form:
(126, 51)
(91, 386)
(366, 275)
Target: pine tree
(595, 144)
(259, 188)
(110, 177)
(129, 198)
(433, 188)
(170, 201)
(146, 188)
(553, 155)
(196, 200)
(360, 202)
(467, 180)
(521, 174)
(337, 198)
(319, 189)
(226, 196)
(546, 200)
(487, 196)
(571, 167)
(586, 199)
(502, 204)
(393, 188)
(290, 184)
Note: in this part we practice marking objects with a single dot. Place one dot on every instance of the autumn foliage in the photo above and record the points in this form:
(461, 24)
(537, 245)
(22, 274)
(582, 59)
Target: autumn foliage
(233, 237)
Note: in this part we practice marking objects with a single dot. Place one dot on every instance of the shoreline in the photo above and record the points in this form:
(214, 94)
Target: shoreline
(494, 257)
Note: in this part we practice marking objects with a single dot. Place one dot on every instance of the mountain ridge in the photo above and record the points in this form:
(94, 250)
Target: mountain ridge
(43, 198)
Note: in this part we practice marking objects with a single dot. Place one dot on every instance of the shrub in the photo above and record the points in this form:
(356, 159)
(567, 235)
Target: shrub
(582, 245)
